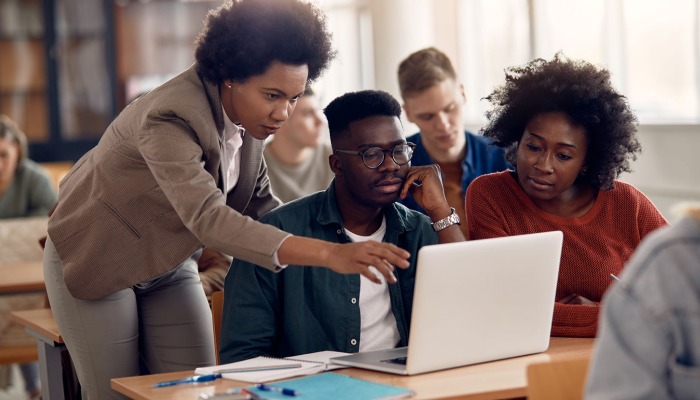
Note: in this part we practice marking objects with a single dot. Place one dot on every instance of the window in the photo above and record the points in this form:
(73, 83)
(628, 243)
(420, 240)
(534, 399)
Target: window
(652, 48)
(351, 24)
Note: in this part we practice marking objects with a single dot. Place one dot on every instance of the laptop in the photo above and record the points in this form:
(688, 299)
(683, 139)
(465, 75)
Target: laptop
(476, 301)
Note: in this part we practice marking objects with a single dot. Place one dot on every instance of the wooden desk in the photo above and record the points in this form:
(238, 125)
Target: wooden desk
(21, 269)
(41, 324)
(495, 380)
(21, 277)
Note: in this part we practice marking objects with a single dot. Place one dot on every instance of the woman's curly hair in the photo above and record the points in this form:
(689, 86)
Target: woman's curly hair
(242, 38)
(585, 94)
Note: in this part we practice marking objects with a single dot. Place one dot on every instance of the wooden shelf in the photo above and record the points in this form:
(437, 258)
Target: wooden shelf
(23, 65)
(30, 111)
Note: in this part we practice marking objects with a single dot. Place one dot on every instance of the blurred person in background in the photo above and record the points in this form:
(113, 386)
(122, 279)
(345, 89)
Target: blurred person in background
(25, 191)
(297, 155)
(433, 99)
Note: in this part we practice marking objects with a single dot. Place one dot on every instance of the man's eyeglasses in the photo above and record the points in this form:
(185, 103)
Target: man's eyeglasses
(373, 157)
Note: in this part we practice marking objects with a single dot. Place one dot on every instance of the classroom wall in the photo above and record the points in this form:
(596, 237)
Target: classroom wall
(665, 171)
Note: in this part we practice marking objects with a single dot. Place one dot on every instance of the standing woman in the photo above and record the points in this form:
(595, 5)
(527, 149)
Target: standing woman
(569, 135)
(181, 167)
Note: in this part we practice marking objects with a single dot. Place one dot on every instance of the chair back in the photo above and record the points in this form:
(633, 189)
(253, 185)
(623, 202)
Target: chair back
(557, 379)
(217, 311)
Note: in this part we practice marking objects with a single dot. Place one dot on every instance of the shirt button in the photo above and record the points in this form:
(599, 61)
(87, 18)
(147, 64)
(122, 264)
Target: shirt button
(353, 342)
(353, 300)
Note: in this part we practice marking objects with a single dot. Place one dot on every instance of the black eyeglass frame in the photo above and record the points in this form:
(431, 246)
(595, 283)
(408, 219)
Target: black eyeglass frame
(411, 146)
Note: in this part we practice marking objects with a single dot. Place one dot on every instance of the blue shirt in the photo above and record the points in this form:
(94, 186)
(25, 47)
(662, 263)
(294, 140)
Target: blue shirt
(306, 309)
(482, 157)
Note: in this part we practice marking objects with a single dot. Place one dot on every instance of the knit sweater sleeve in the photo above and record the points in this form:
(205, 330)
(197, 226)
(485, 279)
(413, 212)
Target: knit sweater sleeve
(484, 208)
(649, 218)
(575, 320)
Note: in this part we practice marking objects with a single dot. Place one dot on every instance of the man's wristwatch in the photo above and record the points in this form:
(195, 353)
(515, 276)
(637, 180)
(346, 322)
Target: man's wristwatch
(447, 221)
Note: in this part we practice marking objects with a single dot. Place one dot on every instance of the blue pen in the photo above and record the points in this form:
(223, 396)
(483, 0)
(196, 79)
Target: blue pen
(284, 391)
(191, 379)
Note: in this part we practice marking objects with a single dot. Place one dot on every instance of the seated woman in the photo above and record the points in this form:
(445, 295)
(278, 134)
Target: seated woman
(25, 191)
(569, 135)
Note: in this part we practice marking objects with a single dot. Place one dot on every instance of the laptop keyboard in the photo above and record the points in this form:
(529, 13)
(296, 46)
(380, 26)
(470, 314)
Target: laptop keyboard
(398, 360)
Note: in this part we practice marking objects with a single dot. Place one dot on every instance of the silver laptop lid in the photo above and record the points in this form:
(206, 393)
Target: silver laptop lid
(483, 300)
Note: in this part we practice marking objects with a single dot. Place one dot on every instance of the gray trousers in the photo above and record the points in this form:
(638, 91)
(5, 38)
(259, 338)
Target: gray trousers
(163, 325)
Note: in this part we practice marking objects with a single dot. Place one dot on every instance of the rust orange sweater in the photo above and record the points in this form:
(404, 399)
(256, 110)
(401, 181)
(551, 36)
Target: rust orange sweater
(595, 245)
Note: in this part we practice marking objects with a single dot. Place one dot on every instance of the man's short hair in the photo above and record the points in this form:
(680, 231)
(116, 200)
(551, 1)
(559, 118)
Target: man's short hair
(423, 69)
(354, 106)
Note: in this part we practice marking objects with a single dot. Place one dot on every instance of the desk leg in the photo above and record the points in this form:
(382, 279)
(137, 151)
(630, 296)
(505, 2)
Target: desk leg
(50, 361)
(50, 367)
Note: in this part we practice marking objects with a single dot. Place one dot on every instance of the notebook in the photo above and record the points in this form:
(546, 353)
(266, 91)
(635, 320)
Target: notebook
(334, 386)
(271, 368)
(476, 301)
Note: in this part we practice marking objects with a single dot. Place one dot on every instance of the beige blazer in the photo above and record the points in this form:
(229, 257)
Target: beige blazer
(151, 193)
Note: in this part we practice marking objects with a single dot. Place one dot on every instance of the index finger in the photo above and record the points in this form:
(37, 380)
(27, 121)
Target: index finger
(411, 179)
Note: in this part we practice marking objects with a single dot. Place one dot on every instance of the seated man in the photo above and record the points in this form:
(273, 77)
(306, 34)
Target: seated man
(303, 309)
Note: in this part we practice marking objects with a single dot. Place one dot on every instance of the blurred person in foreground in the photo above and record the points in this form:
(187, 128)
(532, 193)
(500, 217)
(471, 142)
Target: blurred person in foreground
(649, 342)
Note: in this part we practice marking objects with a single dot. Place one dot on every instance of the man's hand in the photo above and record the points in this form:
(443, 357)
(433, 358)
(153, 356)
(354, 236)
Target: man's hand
(425, 185)
(354, 258)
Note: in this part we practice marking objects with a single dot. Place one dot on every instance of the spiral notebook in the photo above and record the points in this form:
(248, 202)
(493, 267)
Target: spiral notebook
(265, 369)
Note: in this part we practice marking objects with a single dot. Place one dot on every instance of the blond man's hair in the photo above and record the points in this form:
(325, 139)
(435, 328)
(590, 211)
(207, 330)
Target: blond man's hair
(423, 69)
